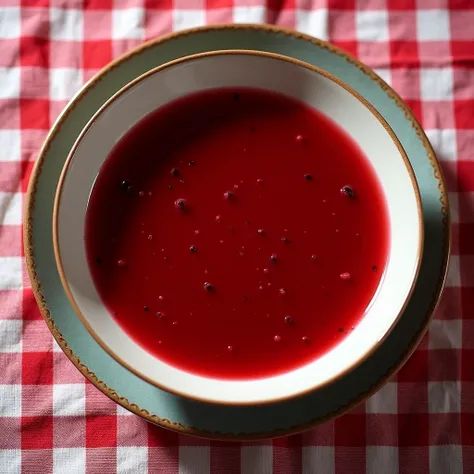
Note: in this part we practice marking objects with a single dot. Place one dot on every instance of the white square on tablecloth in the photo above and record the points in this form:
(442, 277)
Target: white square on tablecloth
(196, 460)
(69, 399)
(453, 199)
(11, 274)
(444, 396)
(183, 19)
(123, 411)
(10, 461)
(255, 460)
(10, 82)
(70, 460)
(66, 24)
(444, 143)
(128, 23)
(10, 145)
(64, 82)
(10, 210)
(250, 14)
(453, 278)
(56, 346)
(433, 25)
(313, 23)
(445, 334)
(372, 25)
(10, 406)
(132, 459)
(10, 22)
(382, 459)
(384, 400)
(385, 74)
(320, 456)
(446, 459)
(11, 335)
(436, 83)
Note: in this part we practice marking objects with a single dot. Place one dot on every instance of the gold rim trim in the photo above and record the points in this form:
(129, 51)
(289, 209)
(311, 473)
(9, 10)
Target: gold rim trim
(112, 394)
(194, 57)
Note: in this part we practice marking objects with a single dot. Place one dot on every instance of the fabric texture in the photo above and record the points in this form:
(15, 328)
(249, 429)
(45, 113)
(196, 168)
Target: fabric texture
(52, 420)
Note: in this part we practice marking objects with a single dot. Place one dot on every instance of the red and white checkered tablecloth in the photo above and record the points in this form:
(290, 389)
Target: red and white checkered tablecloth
(51, 420)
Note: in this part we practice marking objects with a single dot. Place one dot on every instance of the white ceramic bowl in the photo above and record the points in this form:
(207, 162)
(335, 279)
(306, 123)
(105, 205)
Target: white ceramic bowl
(250, 69)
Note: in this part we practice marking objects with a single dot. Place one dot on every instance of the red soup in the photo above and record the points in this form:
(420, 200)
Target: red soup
(237, 233)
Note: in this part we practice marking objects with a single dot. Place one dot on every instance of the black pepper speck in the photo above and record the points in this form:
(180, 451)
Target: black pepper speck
(348, 191)
(126, 186)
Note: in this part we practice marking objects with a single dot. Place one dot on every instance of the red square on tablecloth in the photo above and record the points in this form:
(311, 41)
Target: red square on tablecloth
(101, 431)
(413, 429)
(34, 113)
(341, 5)
(97, 53)
(350, 430)
(30, 307)
(416, 368)
(467, 433)
(347, 46)
(404, 53)
(34, 51)
(37, 432)
(37, 368)
(463, 114)
(104, 5)
(160, 437)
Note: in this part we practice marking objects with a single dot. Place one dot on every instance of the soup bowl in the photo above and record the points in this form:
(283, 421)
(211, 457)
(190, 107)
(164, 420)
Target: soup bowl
(317, 89)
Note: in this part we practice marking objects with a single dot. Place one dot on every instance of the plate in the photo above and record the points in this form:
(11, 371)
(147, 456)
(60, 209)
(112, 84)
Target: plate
(226, 422)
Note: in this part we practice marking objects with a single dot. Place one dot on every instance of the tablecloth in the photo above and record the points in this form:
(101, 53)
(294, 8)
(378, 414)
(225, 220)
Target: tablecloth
(51, 420)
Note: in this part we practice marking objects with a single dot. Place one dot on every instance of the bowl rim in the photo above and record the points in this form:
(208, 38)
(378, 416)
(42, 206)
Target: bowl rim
(231, 52)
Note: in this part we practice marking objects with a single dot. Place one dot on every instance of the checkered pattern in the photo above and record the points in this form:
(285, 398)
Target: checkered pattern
(51, 420)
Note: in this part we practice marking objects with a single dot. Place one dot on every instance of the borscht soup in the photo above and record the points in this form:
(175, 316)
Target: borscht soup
(237, 233)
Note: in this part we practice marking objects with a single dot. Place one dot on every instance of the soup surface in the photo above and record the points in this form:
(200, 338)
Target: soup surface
(237, 233)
